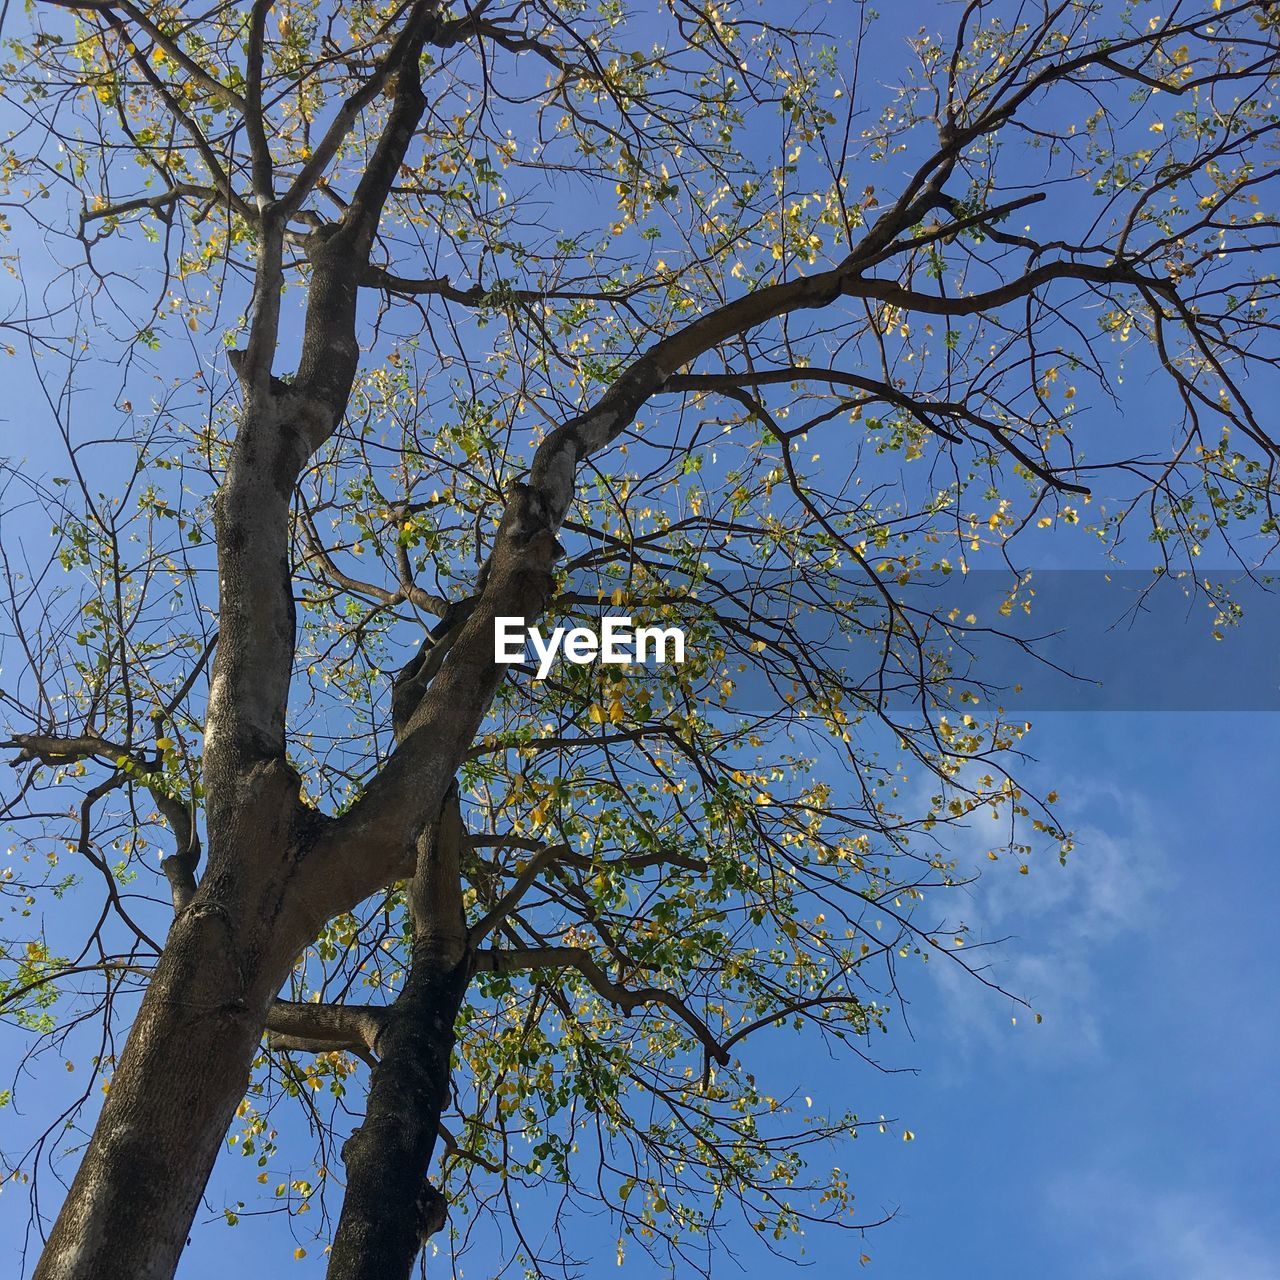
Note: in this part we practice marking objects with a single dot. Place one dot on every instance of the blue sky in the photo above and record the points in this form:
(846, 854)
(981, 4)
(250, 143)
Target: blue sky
(1132, 1134)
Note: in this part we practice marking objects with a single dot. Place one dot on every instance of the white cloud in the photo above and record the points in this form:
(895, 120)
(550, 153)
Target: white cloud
(1057, 924)
(1123, 1229)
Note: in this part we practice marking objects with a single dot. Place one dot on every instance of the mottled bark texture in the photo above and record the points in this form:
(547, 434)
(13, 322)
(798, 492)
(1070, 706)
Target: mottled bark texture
(186, 1063)
(262, 899)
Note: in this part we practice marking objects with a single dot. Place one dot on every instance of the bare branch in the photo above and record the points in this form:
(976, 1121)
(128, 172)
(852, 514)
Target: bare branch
(326, 1028)
(511, 899)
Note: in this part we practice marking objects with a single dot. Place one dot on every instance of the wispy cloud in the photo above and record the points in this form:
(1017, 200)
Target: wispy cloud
(1125, 1229)
(1060, 925)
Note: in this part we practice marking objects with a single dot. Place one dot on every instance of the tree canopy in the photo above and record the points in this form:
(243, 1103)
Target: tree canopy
(363, 326)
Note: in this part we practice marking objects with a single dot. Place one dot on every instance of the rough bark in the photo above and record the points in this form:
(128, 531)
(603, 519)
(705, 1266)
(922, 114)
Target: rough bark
(186, 1063)
(389, 1208)
(183, 1072)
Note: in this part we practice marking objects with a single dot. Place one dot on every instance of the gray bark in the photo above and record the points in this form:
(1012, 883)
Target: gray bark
(186, 1064)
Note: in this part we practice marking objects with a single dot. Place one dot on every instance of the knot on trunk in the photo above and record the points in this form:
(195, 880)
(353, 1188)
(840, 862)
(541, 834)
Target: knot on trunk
(433, 1211)
(271, 782)
(524, 554)
(529, 525)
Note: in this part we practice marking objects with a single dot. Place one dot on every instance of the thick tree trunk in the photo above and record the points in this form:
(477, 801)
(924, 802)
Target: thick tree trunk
(183, 1071)
(186, 1064)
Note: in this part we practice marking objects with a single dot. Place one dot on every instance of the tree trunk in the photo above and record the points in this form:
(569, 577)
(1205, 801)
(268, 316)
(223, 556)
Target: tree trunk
(186, 1063)
(390, 1209)
(184, 1070)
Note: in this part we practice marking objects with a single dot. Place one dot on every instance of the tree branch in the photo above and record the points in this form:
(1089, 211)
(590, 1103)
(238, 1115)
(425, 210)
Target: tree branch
(633, 861)
(155, 203)
(326, 1028)
(407, 47)
(511, 899)
(476, 295)
(254, 124)
(178, 866)
(627, 999)
(191, 69)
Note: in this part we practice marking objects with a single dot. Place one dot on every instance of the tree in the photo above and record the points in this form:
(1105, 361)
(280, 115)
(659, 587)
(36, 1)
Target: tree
(574, 299)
